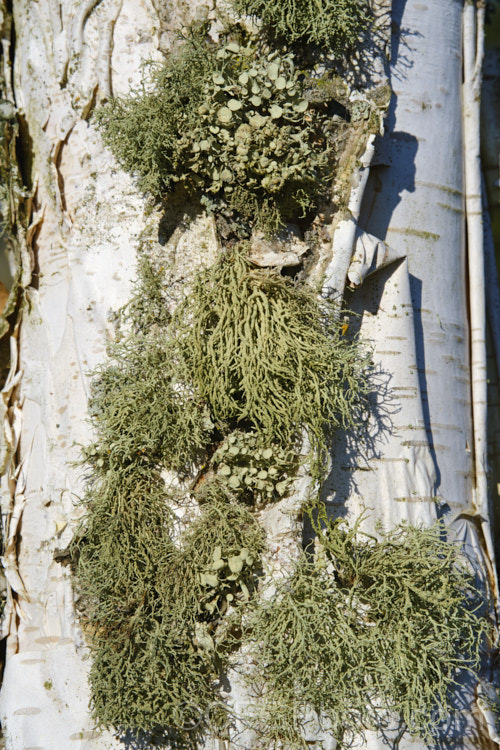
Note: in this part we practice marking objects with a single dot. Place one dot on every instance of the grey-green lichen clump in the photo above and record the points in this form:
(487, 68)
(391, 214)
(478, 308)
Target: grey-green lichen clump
(362, 633)
(168, 579)
(140, 406)
(253, 467)
(263, 351)
(153, 606)
(162, 573)
(209, 404)
(334, 25)
(230, 124)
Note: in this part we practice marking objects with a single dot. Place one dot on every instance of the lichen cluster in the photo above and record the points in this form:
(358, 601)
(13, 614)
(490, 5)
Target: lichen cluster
(257, 137)
(152, 604)
(231, 124)
(334, 25)
(206, 409)
(363, 632)
(254, 467)
(359, 631)
(140, 407)
(143, 130)
(266, 353)
(162, 572)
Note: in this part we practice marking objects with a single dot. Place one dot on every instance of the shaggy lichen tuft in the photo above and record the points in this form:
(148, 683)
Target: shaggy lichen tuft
(153, 605)
(334, 25)
(143, 129)
(265, 353)
(139, 406)
(364, 631)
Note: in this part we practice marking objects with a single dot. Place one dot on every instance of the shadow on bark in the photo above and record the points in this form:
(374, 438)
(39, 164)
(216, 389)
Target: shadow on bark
(161, 739)
(353, 450)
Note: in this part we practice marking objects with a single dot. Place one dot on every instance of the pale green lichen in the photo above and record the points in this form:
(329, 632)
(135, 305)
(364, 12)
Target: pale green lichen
(228, 123)
(225, 392)
(159, 597)
(152, 607)
(139, 406)
(265, 353)
(335, 25)
(253, 468)
(363, 632)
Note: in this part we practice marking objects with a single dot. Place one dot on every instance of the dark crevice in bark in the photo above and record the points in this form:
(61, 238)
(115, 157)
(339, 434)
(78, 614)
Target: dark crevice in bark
(9, 34)
(65, 76)
(60, 179)
(90, 106)
(35, 276)
(24, 152)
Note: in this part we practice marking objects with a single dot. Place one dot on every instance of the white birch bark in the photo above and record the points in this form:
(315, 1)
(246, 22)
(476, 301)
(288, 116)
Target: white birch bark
(424, 457)
(88, 219)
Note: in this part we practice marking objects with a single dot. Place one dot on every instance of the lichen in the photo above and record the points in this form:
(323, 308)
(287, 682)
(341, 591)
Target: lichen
(334, 25)
(363, 631)
(230, 124)
(160, 589)
(231, 384)
(265, 352)
(254, 469)
(139, 406)
(153, 603)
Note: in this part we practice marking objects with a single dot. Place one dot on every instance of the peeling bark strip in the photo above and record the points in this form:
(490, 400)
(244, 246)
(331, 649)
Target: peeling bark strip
(473, 43)
(415, 205)
(80, 239)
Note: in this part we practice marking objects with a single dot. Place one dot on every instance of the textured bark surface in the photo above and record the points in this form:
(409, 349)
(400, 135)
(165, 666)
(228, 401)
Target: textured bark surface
(415, 460)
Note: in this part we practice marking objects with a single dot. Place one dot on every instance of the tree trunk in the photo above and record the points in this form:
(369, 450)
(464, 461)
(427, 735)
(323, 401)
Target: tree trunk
(402, 248)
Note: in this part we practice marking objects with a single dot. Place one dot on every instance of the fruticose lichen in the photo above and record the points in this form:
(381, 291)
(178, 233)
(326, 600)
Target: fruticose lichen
(153, 601)
(211, 400)
(266, 353)
(162, 571)
(362, 634)
(334, 25)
